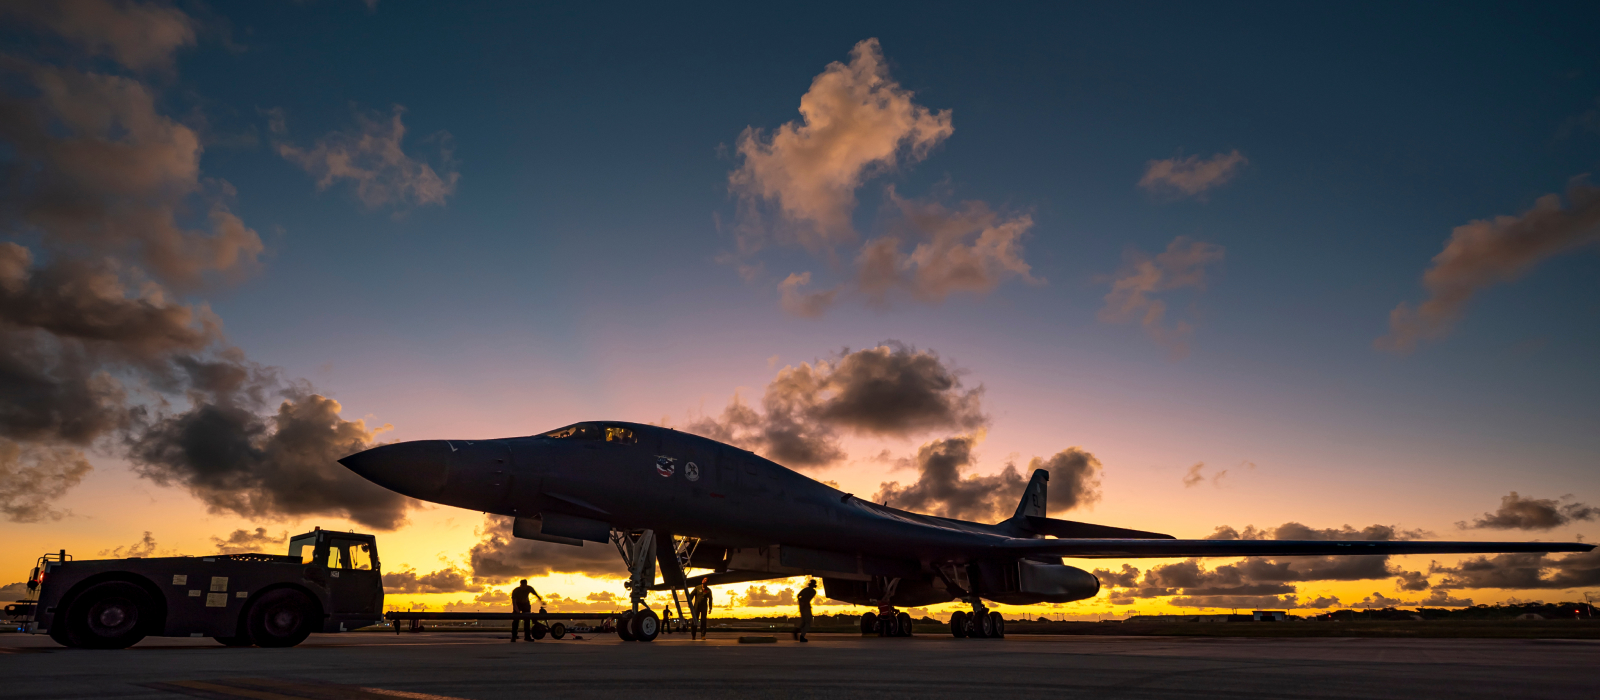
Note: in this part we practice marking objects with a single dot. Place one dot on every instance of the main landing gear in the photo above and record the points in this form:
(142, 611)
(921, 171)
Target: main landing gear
(887, 622)
(981, 623)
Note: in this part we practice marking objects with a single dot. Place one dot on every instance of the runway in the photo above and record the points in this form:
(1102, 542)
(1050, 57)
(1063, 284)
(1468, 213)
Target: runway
(474, 666)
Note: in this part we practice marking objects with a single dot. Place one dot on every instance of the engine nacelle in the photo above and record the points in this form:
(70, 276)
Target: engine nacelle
(1037, 582)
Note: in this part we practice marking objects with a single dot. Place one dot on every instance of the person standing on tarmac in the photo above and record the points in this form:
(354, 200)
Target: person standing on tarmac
(700, 605)
(806, 594)
(521, 604)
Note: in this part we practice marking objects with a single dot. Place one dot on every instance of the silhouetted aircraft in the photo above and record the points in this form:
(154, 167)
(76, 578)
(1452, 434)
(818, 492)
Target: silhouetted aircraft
(684, 501)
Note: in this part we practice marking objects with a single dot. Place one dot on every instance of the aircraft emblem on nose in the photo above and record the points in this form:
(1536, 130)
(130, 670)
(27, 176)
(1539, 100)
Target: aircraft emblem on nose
(691, 471)
(666, 466)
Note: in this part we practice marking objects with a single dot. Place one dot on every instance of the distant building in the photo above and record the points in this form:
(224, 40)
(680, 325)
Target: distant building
(1268, 616)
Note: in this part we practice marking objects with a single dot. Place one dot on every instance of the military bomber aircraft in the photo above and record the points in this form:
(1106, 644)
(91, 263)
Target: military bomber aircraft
(683, 501)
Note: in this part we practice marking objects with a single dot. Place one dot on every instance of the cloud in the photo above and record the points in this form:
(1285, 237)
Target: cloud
(1260, 576)
(145, 547)
(97, 350)
(1411, 581)
(1518, 513)
(246, 541)
(967, 249)
(140, 36)
(1379, 600)
(1488, 251)
(97, 170)
(237, 460)
(1195, 477)
(802, 303)
(942, 489)
(892, 390)
(13, 591)
(1182, 265)
(1192, 176)
(371, 157)
(759, 597)
(1322, 602)
(855, 122)
(1253, 602)
(498, 557)
(32, 476)
(1441, 599)
(446, 580)
(1522, 570)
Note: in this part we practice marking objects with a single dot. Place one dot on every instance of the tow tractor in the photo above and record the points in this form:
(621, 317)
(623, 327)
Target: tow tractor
(328, 582)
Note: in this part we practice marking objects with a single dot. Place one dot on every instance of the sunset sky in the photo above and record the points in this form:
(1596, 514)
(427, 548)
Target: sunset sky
(1314, 271)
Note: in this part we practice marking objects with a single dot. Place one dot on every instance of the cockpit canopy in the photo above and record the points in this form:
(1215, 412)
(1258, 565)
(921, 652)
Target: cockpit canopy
(594, 431)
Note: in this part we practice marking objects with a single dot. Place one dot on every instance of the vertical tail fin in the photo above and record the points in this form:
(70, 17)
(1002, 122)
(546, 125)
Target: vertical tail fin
(1034, 497)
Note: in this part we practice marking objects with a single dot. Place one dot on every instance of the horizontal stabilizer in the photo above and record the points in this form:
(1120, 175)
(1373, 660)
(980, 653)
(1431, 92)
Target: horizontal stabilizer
(1147, 548)
(1069, 529)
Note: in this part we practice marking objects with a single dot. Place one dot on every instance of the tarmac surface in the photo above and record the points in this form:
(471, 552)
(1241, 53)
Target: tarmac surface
(478, 666)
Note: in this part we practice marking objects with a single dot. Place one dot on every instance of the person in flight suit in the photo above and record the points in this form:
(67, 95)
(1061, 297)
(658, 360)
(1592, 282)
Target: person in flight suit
(700, 604)
(806, 594)
(521, 604)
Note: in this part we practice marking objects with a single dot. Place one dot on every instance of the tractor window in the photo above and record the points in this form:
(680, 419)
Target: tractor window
(353, 554)
(335, 556)
(620, 434)
(303, 547)
(581, 431)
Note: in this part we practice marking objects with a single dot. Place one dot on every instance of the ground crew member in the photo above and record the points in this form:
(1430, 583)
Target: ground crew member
(521, 604)
(806, 594)
(700, 603)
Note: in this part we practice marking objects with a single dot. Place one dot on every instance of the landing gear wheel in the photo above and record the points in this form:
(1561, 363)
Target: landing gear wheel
(108, 616)
(958, 624)
(281, 618)
(625, 626)
(983, 627)
(645, 625)
(242, 640)
(997, 625)
(869, 623)
(558, 631)
(904, 620)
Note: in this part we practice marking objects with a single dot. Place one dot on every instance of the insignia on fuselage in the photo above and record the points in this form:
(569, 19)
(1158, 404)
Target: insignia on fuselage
(691, 471)
(665, 466)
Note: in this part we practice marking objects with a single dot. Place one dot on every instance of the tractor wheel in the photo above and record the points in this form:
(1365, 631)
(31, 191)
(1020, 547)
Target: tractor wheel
(558, 630)
(281, 618)
(111, 615)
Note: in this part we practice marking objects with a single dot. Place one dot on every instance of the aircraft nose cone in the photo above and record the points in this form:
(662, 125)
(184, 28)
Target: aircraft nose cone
(417, 469)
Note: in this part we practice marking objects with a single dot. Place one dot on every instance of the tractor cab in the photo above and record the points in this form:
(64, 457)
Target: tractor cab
(345, 562)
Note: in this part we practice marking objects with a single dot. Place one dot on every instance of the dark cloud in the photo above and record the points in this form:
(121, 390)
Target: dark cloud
(1379, 600)
(145, 547)
(891, 390)
(446, 580)
(942, 489)
(237, 460)
(1253, 602)
(1441, 599)
(1490, 251)
(1322, 602)
(31, 477)
(499, 557)
(1518, 513)
(245, 541)
(1522, 570)
(1262, 576)
(1411, 581)
(1127, 577)
(13, 591)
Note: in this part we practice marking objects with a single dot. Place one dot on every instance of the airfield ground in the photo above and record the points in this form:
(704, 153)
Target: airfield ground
(482, 666)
